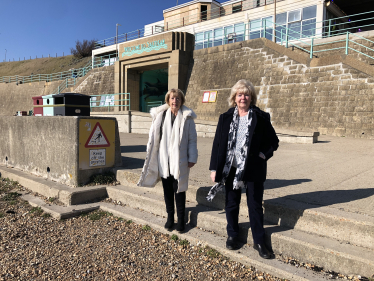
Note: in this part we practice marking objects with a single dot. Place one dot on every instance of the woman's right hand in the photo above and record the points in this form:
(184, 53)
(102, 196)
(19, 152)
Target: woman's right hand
(213, 176)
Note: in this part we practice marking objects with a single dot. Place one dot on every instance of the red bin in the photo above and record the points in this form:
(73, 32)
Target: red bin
(38, 106)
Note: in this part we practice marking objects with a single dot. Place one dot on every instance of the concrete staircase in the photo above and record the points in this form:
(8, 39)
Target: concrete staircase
(335, 240)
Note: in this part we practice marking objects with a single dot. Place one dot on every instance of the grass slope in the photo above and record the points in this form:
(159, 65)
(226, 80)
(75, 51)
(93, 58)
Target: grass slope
(41, 66)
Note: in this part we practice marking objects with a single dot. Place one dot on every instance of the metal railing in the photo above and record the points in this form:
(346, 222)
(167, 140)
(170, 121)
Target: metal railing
(110, 100)
(183, 21)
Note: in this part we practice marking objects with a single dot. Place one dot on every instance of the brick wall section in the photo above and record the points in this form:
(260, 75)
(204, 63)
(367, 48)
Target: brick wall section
(334, 99)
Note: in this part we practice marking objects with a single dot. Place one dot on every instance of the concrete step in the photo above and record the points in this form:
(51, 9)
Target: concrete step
(246, 255)
(321, 251)
(48, 188)
(352, 228)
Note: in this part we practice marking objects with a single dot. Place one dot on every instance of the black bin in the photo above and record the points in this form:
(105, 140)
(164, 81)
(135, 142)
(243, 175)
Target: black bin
(71, 104)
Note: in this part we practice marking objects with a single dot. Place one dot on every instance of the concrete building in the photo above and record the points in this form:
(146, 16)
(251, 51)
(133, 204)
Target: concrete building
(156, 57)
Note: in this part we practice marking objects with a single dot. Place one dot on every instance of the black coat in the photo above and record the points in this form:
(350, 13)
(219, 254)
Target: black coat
(262, 138)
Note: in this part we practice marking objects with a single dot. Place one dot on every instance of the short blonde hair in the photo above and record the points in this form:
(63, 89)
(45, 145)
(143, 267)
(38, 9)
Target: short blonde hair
(175, 92)
(243, 87)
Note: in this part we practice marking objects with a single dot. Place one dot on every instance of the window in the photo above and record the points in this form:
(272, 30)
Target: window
(218, 37)
(239, 30)
(281, 25)
(294, 16)
(309, 12)
(309, 28)
(199, 41)
(208, 39)
(204, 12)
(229, 32)
(255, 29)
(294, 30)
(268, 25)
(237, 8)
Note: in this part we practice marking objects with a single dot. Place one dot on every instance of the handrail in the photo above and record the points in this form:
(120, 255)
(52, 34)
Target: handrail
(198, 17)
(62, 76)
(110, 101)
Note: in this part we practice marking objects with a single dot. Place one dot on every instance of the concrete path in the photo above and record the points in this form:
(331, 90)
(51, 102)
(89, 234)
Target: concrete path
(336, 172)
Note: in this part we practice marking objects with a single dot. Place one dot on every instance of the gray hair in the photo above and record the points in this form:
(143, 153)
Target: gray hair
(244, 87)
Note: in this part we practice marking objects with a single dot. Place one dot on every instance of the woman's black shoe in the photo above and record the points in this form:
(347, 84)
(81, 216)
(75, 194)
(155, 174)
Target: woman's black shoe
(232, 243)
(169, 222)
(180, 225)
(262, 250)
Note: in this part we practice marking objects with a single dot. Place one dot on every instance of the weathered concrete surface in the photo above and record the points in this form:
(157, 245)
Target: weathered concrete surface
(19, 97)
(246, 255)
(48, 147)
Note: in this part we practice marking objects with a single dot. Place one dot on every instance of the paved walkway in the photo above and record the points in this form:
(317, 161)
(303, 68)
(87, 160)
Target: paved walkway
(336, 172)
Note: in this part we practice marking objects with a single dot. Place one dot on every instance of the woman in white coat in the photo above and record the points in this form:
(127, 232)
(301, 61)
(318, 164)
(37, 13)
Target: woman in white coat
(171, 152)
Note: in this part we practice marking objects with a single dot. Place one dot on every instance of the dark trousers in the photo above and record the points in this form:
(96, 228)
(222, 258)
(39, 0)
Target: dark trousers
(254, 192)
(170, 186)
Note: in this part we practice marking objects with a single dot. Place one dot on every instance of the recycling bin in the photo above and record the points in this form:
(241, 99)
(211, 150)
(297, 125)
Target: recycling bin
(71, 104)
(38, 105)
(48, 102)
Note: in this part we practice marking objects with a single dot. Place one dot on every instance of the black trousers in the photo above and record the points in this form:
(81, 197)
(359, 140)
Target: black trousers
(170, 186)
(255, 193)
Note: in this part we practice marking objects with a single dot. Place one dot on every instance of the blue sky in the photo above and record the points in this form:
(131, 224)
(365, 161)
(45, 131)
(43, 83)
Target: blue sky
(42, 27)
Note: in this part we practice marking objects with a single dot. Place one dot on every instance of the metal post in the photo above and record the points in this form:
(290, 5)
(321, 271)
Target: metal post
(282, 37)
(275, 20)
(329, 27)
(311, 49)
(117, 38)
(138, 33)
(347, 43)
(264, 28)
(286, 37)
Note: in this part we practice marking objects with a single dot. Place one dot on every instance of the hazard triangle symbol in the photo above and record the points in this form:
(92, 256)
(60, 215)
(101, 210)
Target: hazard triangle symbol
(97, 138)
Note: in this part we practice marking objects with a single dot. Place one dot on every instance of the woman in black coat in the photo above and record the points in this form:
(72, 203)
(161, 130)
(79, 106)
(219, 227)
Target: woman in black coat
(244, 141)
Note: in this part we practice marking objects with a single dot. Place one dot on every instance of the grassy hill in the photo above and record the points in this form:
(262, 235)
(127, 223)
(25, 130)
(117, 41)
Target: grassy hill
(41, 66)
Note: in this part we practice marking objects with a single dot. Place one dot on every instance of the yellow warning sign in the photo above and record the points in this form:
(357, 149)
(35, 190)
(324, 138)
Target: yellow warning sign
(96, 143)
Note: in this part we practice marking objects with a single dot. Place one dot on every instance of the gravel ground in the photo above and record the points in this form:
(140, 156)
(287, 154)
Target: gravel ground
(99, 246)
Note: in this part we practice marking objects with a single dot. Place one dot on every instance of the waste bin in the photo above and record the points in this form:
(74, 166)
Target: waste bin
(71, 104)
(48, 102)
(38, 105)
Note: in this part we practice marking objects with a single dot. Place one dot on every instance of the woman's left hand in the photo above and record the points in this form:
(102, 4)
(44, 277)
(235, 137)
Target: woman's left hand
(190, 164)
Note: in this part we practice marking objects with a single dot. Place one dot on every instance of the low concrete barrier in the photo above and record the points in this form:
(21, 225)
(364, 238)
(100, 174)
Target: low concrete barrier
(65, 149)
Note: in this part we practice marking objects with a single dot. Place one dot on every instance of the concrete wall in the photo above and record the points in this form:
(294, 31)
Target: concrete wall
(34, 144)
(333, 99)
(19, 97)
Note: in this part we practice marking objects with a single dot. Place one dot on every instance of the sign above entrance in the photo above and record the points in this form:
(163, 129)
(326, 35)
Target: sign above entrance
(145, 47)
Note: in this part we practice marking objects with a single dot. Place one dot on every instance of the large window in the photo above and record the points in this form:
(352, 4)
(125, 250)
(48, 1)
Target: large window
(262, 27)
(300, 23)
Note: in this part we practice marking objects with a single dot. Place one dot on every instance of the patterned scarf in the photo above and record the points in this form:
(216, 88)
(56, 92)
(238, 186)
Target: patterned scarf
(238, 183)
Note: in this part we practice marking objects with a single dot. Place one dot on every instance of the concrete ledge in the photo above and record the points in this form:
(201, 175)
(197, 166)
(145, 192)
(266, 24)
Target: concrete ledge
(48, 188)
(289, 136)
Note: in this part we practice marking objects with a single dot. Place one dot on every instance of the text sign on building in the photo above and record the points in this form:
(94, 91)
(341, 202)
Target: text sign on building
(96, 143)
(145, 47)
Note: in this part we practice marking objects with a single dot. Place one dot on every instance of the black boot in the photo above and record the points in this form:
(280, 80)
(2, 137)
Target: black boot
(262, 250)
(169, 222)
(180, 224)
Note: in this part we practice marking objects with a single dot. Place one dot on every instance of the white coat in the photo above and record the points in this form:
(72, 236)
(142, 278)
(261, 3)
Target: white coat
(187, 148)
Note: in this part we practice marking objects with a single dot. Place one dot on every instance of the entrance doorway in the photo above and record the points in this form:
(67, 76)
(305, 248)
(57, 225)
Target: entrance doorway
(152, 89)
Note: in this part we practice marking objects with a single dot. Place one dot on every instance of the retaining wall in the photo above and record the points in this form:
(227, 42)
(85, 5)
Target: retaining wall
(48, 147)
(333, 99)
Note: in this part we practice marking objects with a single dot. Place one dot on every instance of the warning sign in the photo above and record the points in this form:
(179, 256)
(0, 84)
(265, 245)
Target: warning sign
(97, 157)
(97, 138)
(97, 143)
